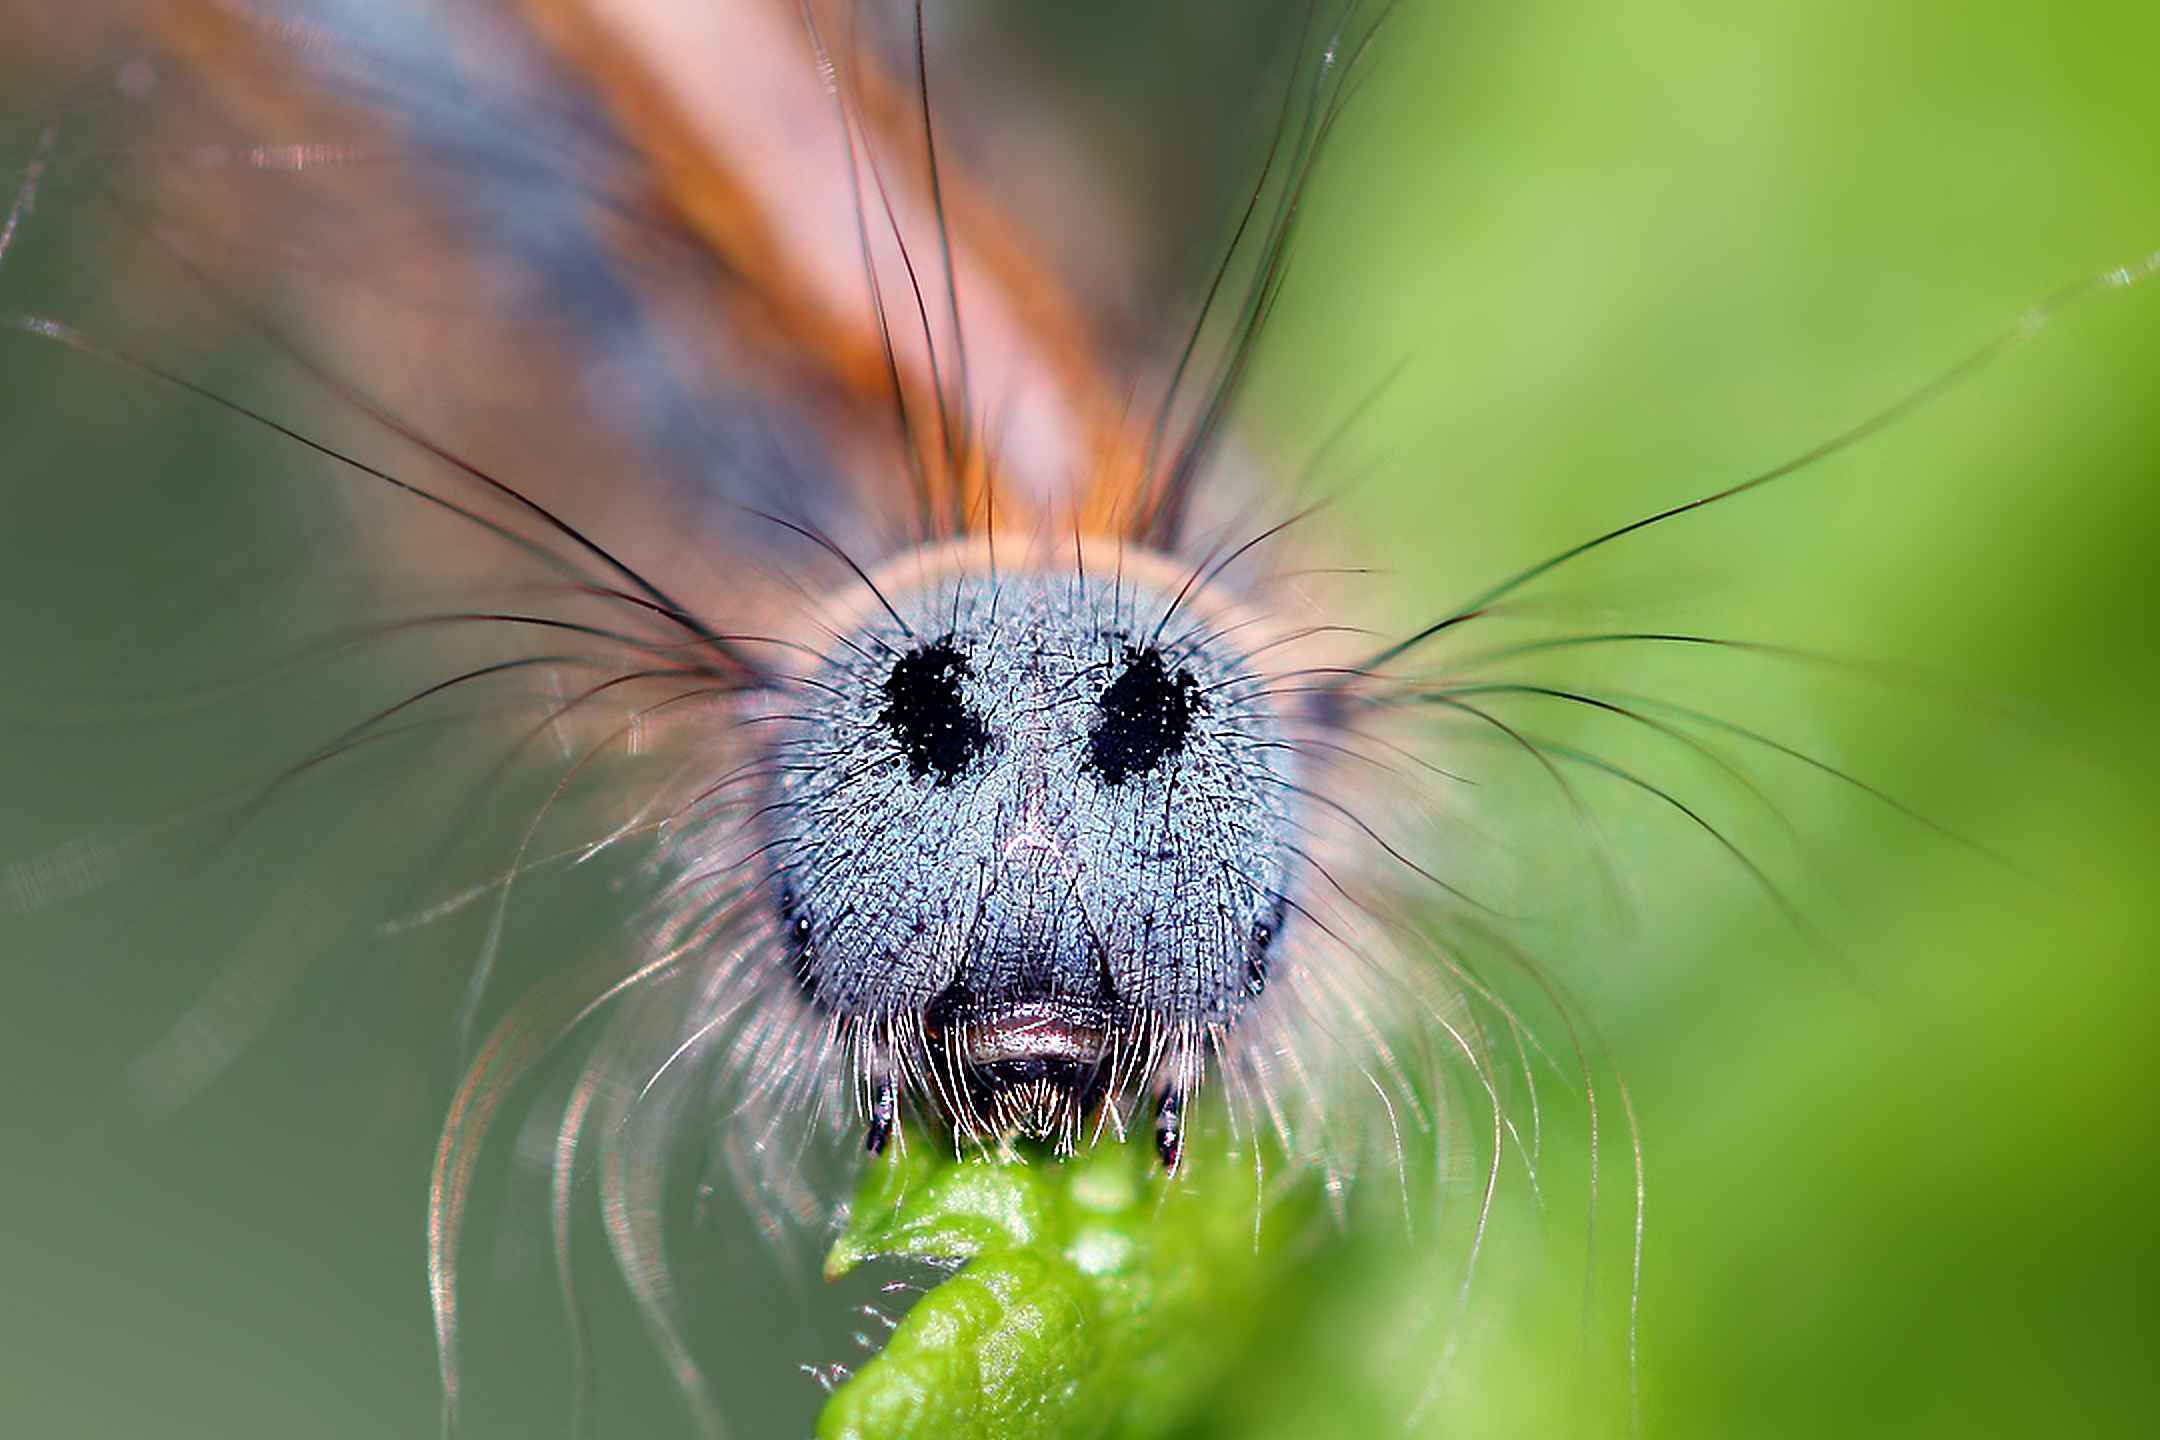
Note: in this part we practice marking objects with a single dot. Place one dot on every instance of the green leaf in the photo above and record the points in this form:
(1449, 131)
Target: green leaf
(1092, 1296)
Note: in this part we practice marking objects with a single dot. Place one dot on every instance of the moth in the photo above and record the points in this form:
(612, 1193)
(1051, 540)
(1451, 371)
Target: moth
(781, 486)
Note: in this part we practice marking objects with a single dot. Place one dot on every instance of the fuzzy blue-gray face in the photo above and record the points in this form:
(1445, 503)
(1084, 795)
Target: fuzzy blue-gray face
(1030, 849)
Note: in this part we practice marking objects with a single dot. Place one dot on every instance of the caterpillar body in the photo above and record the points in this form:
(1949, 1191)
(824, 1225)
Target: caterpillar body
(776, 496)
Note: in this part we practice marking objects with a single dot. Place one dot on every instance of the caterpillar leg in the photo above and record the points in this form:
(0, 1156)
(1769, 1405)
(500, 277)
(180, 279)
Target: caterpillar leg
(1170, 1127)
(884, 1112)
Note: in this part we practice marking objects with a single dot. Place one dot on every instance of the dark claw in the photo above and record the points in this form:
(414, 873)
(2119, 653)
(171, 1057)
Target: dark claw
(884, 1110)
(1170, 1128)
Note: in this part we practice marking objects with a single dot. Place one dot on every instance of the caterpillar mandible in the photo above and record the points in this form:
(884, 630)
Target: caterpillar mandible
(851, 622)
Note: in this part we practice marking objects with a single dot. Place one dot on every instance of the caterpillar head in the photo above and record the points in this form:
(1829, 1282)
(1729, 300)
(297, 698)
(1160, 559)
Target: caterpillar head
(1031, 843)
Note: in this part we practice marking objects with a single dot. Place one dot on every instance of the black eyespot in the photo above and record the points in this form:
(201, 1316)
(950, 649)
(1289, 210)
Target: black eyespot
(802, 949)
(1146, 715)
(924, 711)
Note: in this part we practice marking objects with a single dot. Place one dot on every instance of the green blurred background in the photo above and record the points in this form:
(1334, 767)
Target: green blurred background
(1632, 253)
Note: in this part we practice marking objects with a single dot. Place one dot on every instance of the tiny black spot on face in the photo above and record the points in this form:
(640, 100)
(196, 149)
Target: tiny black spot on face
(936, 728)
(1146, 715)
(802, 951)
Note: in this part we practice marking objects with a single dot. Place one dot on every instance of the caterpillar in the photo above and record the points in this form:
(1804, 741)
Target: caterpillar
(833, 650)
